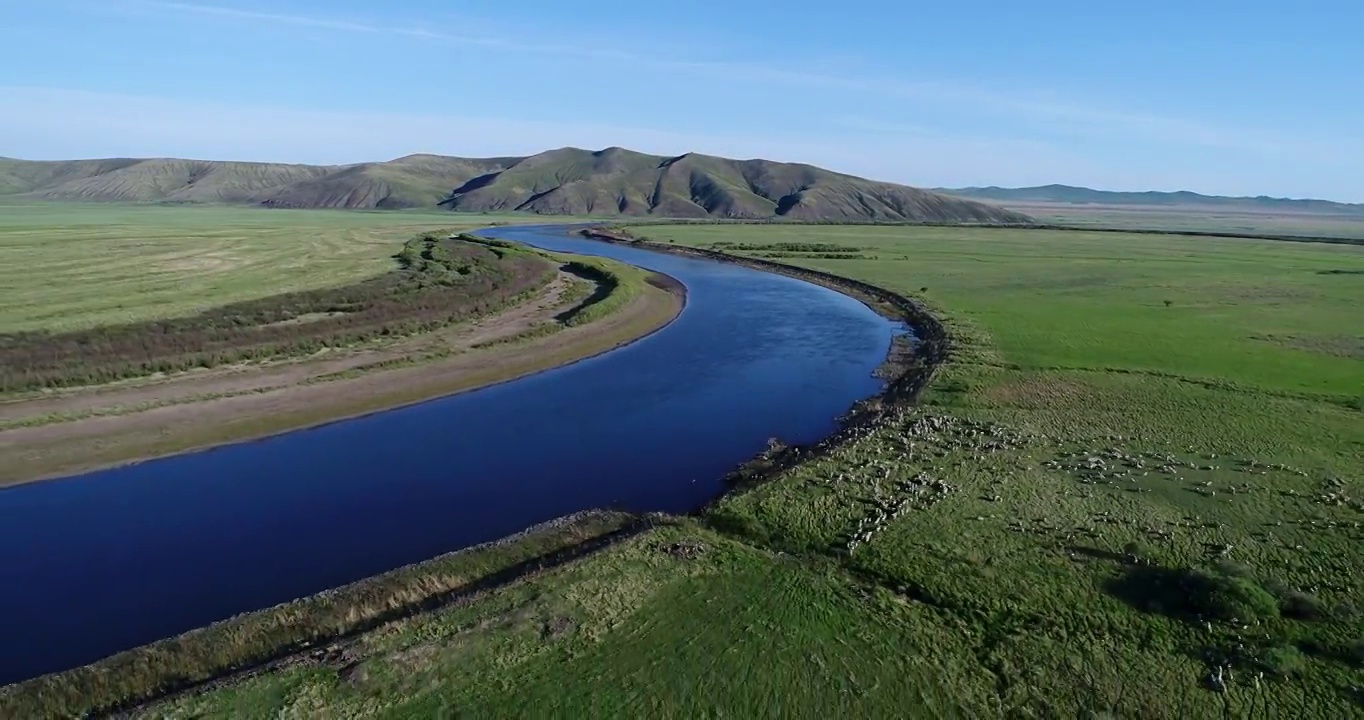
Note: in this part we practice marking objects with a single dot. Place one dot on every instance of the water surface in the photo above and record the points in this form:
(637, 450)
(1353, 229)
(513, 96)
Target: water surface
(109, 560)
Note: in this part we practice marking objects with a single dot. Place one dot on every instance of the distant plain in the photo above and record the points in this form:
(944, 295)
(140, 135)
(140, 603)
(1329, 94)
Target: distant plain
(1195, 218)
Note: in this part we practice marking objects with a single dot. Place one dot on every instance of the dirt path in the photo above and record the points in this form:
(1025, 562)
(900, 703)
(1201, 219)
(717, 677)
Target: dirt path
(114, 425)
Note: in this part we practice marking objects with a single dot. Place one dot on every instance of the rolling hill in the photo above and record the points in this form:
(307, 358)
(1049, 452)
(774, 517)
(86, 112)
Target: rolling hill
(614, 181)
(1068, 194)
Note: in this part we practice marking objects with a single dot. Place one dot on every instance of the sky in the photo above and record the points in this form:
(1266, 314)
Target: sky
(1236, 98)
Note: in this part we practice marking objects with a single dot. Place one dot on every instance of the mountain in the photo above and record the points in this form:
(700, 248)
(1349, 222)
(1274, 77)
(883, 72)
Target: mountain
(162, 180)
(413, 181)
(1085, 196)
(614, 181)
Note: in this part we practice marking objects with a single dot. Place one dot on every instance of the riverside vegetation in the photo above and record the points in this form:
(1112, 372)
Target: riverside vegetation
(1132, 490)
(74, 266)
(440, 281)
(91, 376)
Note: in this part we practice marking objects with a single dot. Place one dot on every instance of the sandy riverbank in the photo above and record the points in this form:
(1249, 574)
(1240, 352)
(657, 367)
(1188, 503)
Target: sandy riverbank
(55, 435)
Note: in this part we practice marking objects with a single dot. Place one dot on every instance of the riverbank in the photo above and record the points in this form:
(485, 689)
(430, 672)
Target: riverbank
(908, 369)
(573, 317)
(1113, 501)
(314, 630)
(82, 690)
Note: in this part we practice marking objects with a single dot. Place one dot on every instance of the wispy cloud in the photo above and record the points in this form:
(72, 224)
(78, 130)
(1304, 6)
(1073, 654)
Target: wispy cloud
(1056, 115)
(215, 10)
(367, 27)
(61, 124)
(56, 125)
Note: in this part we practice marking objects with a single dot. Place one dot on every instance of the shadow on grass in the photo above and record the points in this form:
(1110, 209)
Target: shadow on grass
(1194, 595)
(605, 284)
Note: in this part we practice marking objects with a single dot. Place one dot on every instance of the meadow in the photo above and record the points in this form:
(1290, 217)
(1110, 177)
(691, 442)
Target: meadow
(320, 315)
(441, 280)
(1133, 490)
(71, 266)
(1195, 218)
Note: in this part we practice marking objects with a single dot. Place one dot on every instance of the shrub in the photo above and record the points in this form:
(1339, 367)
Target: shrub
(1283, 660)
(1226, 597)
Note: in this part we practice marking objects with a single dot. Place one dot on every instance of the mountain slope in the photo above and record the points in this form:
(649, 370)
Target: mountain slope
(1081, 195)
(614, 181)
(412, 181)
(167, 180)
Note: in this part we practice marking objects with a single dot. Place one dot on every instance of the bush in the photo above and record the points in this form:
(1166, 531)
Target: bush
(1221, 593)
(1283, 660)
(1229, 597)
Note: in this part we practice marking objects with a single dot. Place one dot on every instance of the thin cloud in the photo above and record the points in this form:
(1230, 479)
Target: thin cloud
(56, 124)
(1073, 117)
(400, 31)
(321, 23)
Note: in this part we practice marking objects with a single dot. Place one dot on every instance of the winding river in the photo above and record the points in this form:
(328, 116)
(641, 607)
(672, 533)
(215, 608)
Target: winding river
(102, 562)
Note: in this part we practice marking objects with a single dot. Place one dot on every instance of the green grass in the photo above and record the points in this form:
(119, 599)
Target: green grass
(1197, 219)
(1066, 343)
(1076, 300)
(967, 557)
(65, 266)
(638, 631)
(309, 622)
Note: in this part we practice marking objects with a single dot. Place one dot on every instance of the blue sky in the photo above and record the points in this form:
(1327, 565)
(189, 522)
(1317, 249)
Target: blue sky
(1238, 98)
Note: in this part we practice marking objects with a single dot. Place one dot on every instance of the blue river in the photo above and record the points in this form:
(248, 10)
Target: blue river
(106, 561)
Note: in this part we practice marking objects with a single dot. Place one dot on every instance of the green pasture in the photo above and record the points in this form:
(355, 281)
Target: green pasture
(1135, 490)
(65, 266)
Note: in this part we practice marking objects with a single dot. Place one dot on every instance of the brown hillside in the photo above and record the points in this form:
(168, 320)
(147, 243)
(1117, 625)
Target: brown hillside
(566, 181)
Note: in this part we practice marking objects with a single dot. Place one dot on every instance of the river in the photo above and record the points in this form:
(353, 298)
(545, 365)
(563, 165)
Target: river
(102, 562)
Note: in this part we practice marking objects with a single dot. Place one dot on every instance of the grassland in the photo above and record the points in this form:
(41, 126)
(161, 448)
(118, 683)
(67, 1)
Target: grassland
(438, 314)
(1134, 490)
(68, 266)
(1195, 218)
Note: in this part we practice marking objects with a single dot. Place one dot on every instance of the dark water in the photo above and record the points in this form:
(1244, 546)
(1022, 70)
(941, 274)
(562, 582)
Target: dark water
(103, 562)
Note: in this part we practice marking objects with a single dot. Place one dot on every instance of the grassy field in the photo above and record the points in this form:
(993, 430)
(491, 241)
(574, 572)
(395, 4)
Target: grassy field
(66, 266)
(1196, 219)
(1134, 489)
(459, 313)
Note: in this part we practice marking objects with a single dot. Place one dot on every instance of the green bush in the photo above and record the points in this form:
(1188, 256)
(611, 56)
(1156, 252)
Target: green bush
(1283, 660)
(1226, 597)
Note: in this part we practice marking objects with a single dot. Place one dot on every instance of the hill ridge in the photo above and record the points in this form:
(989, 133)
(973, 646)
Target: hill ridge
(1075, 194)
(567, 180)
